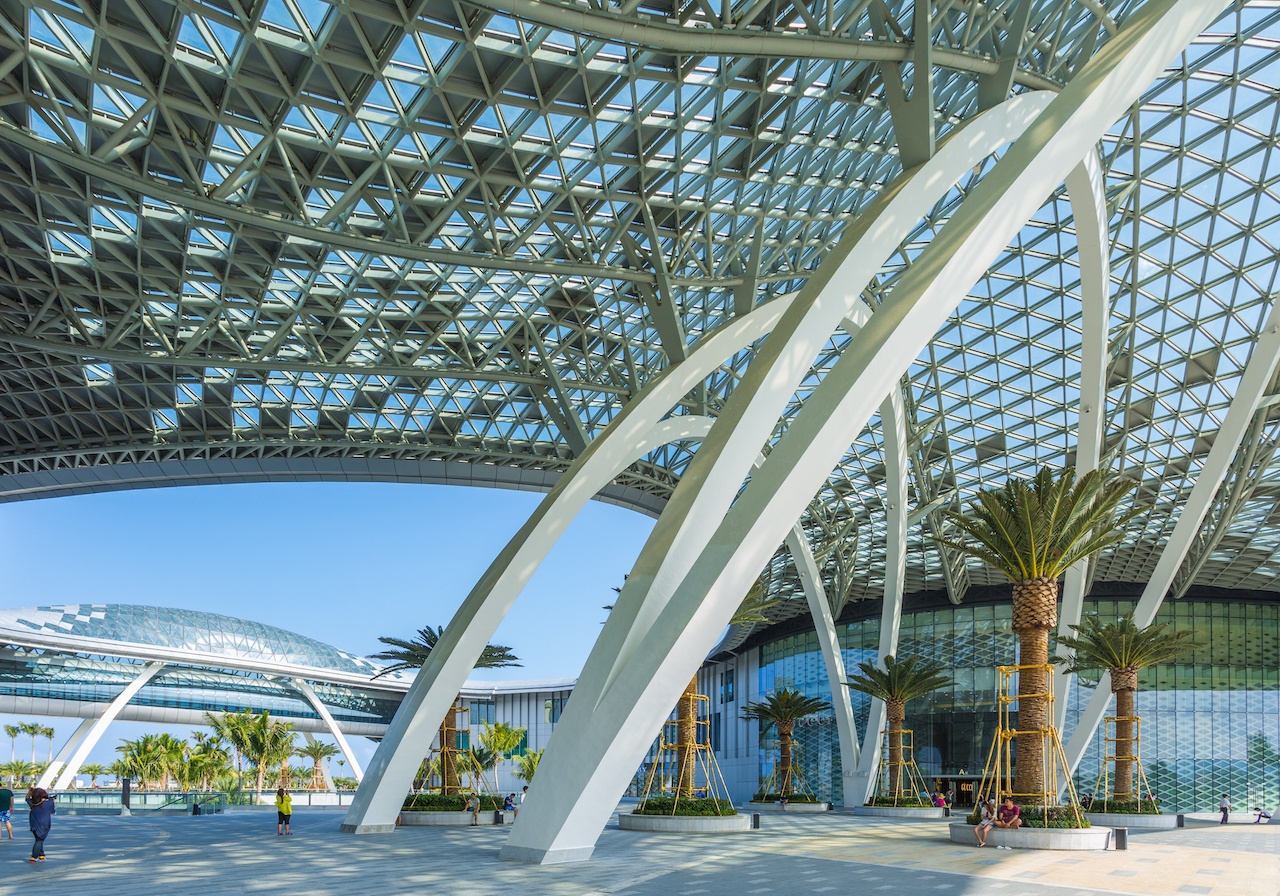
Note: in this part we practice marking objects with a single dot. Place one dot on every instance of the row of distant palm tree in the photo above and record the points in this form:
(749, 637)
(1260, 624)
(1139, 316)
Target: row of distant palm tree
(32, 730)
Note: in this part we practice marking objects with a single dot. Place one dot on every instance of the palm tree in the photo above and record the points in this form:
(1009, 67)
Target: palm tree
(269, 743)
(1033, 532)
(33, 730)
(94, 771)
(152, 758)
(527, 765)
(13, 731)
(48, 733)
(317, 752)
(1124, 650)
(782, 709)
(411, 654)
(501, 740)
(895, 684)
(20, 769)
(751, 610)
(233, 727)
(207, 759)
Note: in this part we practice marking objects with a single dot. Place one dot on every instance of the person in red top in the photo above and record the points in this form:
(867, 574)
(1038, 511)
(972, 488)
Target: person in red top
(1008, 815)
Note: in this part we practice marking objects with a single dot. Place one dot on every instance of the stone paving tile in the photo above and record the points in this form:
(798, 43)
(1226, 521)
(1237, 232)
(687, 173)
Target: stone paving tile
(239, 854)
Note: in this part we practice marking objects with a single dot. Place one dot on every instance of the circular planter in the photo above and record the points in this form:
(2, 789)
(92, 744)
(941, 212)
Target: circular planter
(1125, 820)
(900, 812)
(1036, 838)
(447, 819)
(685, 824)
(789, 808)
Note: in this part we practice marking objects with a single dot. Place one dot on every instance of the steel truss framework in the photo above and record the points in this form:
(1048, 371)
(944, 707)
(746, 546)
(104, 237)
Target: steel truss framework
(293, 239)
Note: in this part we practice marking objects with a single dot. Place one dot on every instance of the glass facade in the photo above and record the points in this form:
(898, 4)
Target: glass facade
(1210, 721)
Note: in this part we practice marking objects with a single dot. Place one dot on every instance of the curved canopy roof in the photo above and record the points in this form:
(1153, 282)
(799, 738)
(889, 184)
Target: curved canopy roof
(193, 631)
(323, 239)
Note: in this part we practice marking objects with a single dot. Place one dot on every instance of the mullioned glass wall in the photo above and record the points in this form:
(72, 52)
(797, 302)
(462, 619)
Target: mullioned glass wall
(1211, 721)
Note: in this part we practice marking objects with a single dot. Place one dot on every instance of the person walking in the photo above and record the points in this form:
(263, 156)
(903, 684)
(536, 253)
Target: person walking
(1224, 807)
(284, 811)
(6, 811)
(40, 818)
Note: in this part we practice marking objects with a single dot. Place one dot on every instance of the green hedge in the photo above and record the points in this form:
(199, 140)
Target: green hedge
(776, 797)
(1129, 807)
(1034, 817)
(435, 802)
(665, 805)
(902, 802)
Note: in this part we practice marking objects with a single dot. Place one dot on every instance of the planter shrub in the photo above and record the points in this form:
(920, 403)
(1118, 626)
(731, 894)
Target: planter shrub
(776, 797)
(905, 802)
(1034, 817)
(1129, 807)
(435, 802)
(665, 805)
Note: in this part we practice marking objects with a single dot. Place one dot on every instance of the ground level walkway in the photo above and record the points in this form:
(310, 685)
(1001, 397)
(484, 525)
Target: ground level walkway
(239, 853)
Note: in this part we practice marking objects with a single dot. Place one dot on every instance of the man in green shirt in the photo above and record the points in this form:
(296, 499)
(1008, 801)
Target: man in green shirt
(6, 807)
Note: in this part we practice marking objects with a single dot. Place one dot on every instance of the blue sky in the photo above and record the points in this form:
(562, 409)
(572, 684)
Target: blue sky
(340, 562)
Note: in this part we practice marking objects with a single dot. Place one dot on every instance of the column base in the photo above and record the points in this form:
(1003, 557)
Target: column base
(530, 855)
(367, 828)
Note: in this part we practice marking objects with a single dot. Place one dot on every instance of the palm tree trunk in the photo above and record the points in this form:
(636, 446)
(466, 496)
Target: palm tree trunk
(896, 713)
(449, 784)
(1035, 614)
(1124, 684)
(262, 775)
(785, 730)
(317, 775)
(686, 740)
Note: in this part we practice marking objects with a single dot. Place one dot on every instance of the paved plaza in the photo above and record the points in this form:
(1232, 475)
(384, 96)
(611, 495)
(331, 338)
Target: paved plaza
(239, 852)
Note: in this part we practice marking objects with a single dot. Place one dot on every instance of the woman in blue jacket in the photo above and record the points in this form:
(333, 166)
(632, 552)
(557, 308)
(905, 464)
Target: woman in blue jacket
(41, 819)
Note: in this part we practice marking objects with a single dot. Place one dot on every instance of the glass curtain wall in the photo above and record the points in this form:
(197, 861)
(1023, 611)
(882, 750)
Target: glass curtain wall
(1209, 721)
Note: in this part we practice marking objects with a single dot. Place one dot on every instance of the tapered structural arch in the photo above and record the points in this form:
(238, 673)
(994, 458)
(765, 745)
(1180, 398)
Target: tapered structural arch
(100, 725)
(661, 627)
(887, 223)
(327, 717)
(60, 761)
(638, 430)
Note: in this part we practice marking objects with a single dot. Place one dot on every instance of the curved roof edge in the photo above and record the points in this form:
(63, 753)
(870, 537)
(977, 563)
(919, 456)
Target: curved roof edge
(222, 471)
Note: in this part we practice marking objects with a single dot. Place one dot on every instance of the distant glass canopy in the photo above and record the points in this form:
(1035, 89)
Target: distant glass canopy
(285, 239)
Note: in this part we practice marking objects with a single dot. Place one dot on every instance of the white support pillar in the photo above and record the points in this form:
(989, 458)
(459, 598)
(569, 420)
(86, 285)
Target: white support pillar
(824, 624)
(627, 437)
(895, 573)
(324, 766)
(60, 761)
(643, 660)
(1249, 393)
(100, 724)
(1089, 209)
(323, 711)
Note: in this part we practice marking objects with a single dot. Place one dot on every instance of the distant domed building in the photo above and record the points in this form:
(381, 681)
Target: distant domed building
(107, 662)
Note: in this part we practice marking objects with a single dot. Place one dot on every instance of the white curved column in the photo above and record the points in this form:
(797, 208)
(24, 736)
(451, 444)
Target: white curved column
(1253, 387)
(891, 220)
(895, 573)
(402, 749)
(323, 711)
(829, 644)
(59, 762)
(100, 724)
(1089, 209)
(715, 475)
(605, 729)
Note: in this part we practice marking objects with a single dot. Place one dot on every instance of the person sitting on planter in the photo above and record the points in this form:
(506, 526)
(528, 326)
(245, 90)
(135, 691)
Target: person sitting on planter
(988, 813)
(473, 806)
(1008, 815)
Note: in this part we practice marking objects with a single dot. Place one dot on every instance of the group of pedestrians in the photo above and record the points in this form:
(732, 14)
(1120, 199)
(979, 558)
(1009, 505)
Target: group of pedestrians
(39, 818)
